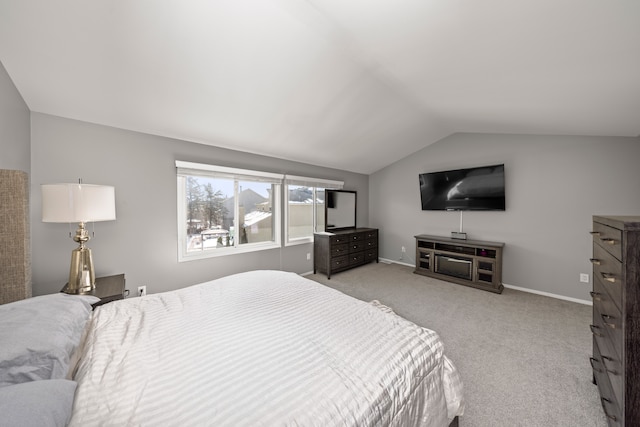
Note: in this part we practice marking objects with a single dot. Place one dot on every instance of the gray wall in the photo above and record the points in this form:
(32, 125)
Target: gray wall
(554, 185)
(14, 126)
(142, 242)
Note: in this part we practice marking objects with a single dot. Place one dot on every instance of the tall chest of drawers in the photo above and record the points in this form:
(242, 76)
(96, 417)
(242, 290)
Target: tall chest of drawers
(344, 249)
(616, 317)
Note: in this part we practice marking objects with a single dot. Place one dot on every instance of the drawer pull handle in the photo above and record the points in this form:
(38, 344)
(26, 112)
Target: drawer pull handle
(595, 296)
(612, 417)
(594, 261)
(609, 241)
(606, 317)
(593, 360)
(609, 277)
(595, 233)
(604, 359)
(597, 334)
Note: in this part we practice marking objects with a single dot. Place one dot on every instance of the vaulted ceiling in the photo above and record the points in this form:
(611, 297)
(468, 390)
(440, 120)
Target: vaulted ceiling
(349, 84)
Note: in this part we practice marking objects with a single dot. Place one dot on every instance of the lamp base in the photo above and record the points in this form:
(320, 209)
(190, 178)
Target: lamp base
(81, 274)
(84, 291)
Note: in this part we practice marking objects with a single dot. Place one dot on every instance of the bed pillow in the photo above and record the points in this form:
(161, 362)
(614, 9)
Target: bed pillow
(39, 335)
(37, 403)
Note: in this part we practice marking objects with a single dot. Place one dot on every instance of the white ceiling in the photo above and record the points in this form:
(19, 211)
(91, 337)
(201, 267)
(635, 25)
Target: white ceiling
(349, 84)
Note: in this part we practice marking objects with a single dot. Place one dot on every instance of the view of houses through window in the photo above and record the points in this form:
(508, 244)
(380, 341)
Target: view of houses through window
(306, 211)
(223, 210)
(212, 210)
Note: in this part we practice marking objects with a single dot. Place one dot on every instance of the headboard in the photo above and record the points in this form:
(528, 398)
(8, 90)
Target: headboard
(15, 248)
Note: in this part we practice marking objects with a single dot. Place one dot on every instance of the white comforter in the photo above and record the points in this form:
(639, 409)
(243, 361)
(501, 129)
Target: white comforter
(262, 348)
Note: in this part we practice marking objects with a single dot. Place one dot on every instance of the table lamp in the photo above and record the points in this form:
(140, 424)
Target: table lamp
(81, 203)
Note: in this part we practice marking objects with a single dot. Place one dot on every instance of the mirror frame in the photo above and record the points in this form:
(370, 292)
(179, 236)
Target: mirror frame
(326, 210)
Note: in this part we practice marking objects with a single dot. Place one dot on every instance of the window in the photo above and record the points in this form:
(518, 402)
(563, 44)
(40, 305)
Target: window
(305, 207)
(226, 210)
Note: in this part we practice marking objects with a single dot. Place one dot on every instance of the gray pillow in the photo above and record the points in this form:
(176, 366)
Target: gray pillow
(37, 403)
(39, 335)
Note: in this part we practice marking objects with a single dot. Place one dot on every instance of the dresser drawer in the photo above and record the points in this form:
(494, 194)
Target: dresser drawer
(373, 234)
(608, 270)
(338, 239)
(607, 397)
(370, 255)
(602, 299)
(608, 318)
(609, 238)
(357, 237)
(340, 262)
(356, 258)
(339, 250)
(356, 246)
(371, 243)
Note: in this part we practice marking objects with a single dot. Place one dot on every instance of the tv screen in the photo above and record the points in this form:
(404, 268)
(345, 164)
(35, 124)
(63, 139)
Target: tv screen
(472, 189)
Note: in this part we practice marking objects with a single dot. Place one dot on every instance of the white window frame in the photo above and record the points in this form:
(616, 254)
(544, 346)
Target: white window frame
(316, 183)
(186, 169)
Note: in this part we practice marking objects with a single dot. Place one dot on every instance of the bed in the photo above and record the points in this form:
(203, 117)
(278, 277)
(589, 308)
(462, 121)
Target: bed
(261, 348)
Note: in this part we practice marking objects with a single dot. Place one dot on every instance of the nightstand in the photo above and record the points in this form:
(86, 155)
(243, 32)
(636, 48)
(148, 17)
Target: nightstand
(109, 288)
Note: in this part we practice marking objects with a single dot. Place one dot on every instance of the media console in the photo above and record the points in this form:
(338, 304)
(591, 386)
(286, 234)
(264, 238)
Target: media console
(467, 262)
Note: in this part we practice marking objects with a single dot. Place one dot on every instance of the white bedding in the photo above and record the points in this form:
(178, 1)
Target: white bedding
(262, 348)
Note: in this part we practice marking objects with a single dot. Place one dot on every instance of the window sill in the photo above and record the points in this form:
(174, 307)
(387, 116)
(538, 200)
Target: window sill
(214, 253)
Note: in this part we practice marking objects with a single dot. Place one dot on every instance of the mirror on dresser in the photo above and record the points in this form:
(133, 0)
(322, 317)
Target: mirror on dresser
(340, 210)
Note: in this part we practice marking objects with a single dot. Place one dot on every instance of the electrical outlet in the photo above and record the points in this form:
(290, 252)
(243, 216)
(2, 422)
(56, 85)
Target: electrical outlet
(142, 291)
(404, 249)
(308, 256)
(584, 278)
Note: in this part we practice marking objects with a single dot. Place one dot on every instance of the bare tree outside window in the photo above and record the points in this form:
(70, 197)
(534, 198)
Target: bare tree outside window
(211, 206)
(224, 210)
(207, 212)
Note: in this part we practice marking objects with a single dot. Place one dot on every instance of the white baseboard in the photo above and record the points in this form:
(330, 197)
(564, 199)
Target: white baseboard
(548, 294)
(393, 261)
(516, 288)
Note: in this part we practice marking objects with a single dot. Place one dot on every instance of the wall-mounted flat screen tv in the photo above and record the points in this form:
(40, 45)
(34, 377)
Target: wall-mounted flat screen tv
(471, 189)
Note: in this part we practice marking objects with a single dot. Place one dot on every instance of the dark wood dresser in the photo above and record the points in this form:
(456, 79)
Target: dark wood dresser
(344, 249)
(616, 317)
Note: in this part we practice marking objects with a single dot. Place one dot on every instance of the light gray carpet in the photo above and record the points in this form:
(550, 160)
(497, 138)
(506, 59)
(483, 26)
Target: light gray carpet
(523, 358)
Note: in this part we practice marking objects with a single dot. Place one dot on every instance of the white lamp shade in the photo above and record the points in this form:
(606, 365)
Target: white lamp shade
(78, 203)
